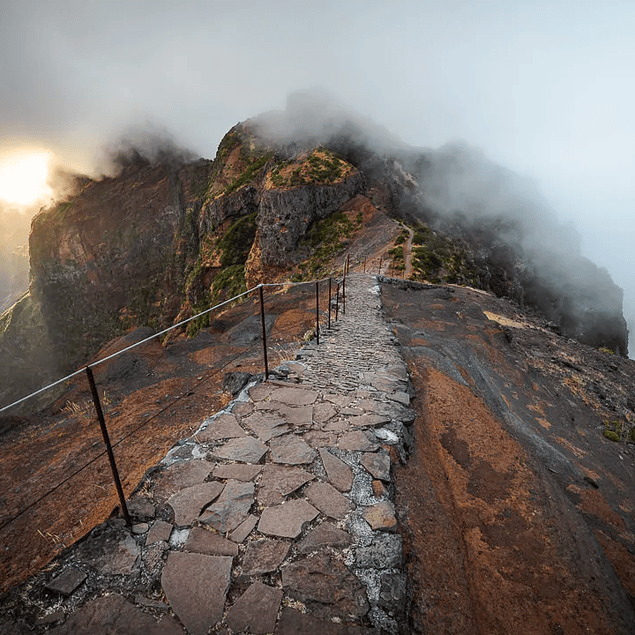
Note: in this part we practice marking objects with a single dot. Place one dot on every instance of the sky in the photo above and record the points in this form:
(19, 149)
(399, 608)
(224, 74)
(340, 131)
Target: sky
(544, 88)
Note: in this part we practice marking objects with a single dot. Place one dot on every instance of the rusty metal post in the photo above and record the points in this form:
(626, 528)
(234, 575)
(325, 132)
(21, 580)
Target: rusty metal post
(337, 302)
(364, 264)
(264, 331)
(317, 312)
(111, 456)
(329, 322)
(380, 259)
(344, 296)
(348, 263)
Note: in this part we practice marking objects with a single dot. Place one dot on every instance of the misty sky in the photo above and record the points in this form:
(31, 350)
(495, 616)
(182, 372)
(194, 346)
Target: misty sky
(544, 88)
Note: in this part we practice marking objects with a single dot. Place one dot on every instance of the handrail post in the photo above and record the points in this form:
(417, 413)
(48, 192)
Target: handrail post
(380, 260)
(364, 264)
(344, 295)
(264, 331)
(348, 263)
(329, 314)
(337, 302)
(111, 456)
(317, 312)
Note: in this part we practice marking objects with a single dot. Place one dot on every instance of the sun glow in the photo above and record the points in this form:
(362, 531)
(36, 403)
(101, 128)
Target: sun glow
(23, 177)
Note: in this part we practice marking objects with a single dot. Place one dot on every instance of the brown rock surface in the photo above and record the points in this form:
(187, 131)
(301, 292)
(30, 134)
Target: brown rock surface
(358, 440)
(294, 396)
(231, 508)
(278, 481)
(237, 472)
(224, 426)
(264, 556)
(324, 535)
(188, 503)
(246, 450)
(377, 464)
(381, 516)
(255, 610)
(340, 474)
(290, 449)
(328, 500)
(204, 541)
(286, 520)
(160, 530)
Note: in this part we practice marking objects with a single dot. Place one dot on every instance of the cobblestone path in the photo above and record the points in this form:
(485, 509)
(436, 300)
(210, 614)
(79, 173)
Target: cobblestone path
(276, 516)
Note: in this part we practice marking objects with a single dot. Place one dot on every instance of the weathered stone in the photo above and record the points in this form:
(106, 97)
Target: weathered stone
(67, 582)
(203, 541)
(266, 425)
(244, 529)
(157, 605)
(318, 439)
(237, 472)
(235, 381)
(339, 400)
(293, 622)
(153, 561)
(326, 586)
(377, 464)
(264, 556)
(291, 450)
(190, 502)
(286, 520)
(256, 610)
(322, 412)
(381, 516)
(160, 530)
(113, 615)
(260, 392)
(231, 508)
(224, 426)
(242, 408)
(179, 476)
(336, 425)
(384, 552)
(393, 593)
(294, 396)
(328, 500)
(324, 535)
(367, 421)
(340, 474)
(358, 440)
(110, 549)
(195, 585)
(141, 508)
(400, 397)
(246, 450)
(140, 528)
(300, 416)
(379, 489)
(278, 481)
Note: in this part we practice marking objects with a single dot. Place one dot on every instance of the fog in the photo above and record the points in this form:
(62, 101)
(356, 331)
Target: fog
(543, 88)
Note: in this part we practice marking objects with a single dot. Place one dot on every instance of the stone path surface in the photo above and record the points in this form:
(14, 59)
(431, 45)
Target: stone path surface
(276, 516)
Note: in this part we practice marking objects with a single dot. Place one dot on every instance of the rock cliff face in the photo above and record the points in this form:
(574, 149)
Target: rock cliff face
(162, 241)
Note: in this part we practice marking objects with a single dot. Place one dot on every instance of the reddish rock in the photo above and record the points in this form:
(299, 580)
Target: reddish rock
(287, 520)
(266, 425)
(189, 502)
(160, 530)
(291, 450)
(322, 412)
(225, 426)
(381, 516)
(195, 585)
(324, 535)
(260, 392)
(264, 556)
(340, 474)
(179, 476)
(246, 450)
(358, 440)
(243, 408)
(328, 500)
(367, 421)
(377, 464)
(237, 472)
(113, 615)
(318, 439)
(256, 610)
(278, 481)
(326, 586)
(244, 529)
(379, 489)
(204, 541)
(231, 508)
(294, 396)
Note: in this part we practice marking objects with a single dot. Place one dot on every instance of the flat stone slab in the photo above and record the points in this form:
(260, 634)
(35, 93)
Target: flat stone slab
(328, 500)
(368, 421)
(225, 426)
(400, 397)
(190, 502)
(160, 530)
(381, 516)
(294, 396)
(278, 481)
(293, 622)
(264, 556)
(67, 582)
(244, 529)
(246, 450)
(141, 508)
(324, 535)
(110, 549)
(179, 476)
(113, 615)
(299, 416)
(322, 412)
(340, 474)
(266, 425)
(195, 585)
(203, 541)
(326, 586)
(358, 441)
(291, 450)
(287, 520)
(256, 610)
(377, 464)
(260, 392)
(318, 439)
(384, 552)
(231, 508)
(237, 472)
